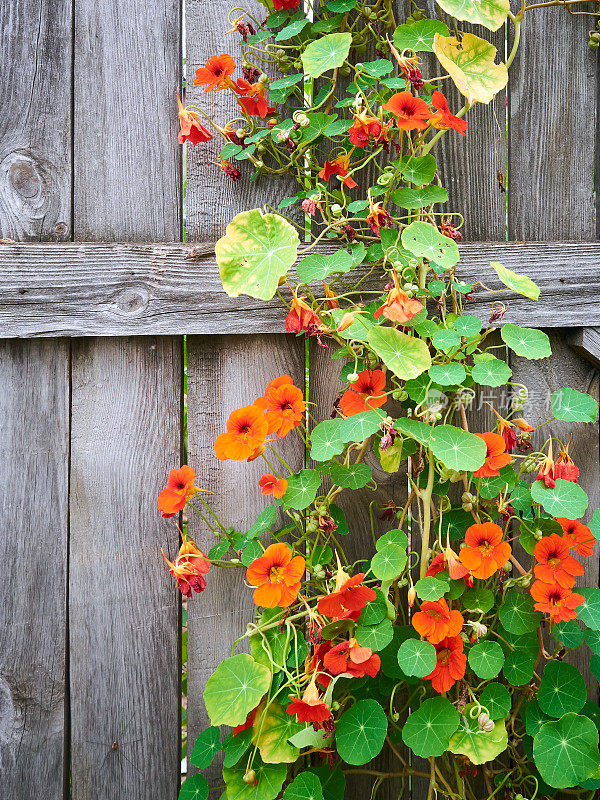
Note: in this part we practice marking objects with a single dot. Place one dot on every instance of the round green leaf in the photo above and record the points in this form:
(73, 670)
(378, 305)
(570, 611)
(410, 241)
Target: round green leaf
(458, 449)
(451, 374)
(271, 733)
(234, 747)
(424, 240)
(467, 325)
(256, 251)
(526, 342)
(333, 781)
(417, 658)
(325, 53)
(565, 499)
(520, 284)
(419, 169)
(470, 64)
(270, 779)
(520, 658)
(589, 611)
(207, 745)
(418, 36)
(319, 266)
(478, 599)
(446, 339)
(325, 440)
(517, 613)
(495, 698)
(566, 751)
(405, 355)
(375, 636)
(234, 689)
(194, 788)
(354, 476)
(359, 427)
(305, 786)
(302, 489)
(360, 732)
(562, 689)
(428, 729)
(569, 633)
(479, 746)
(491, 372)
(394, 536)
(486, 659)
(431, 588)
(570, 405)
(419, 198)
(375, 611)
(389, 561)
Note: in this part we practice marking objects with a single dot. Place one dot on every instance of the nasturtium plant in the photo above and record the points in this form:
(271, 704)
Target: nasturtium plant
(416, 565)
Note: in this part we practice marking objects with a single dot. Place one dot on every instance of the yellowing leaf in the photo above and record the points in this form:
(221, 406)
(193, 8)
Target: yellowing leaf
(520, 284)
(490, 13)
(470, 64)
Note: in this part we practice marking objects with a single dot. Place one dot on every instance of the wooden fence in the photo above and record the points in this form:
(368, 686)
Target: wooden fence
(91, 361)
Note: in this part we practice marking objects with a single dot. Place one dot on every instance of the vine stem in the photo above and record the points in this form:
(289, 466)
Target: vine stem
(425, 496)
(517, 23)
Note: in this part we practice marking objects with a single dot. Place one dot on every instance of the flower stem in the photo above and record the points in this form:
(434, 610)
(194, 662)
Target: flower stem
(425, 496)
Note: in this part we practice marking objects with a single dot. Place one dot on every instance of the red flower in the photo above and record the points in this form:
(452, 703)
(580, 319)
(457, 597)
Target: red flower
(547, 469)
(269, 484)
(191, 129)
(444, 120)
(485, 552)
(411, 112)
(449, 560)
(435, 621)
(246, 431)
(352, 658)
(560, 603)
(348, 596)
(398, 306)
(496, 456)
(378, 218)
(578, 536)
(277, 576)
(253, 98)
(367, 391)
(180, 489)
(310, 708)
(339, 166)
(189, 568)
(364, 127)
(283, 404)
(302, 318)
(215, 75)
(555, 564)
(288, 5)
(565, 467)
(316, 663)
(247, 724)
(451, 664)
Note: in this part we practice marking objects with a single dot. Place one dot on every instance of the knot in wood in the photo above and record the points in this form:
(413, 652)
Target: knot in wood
(132, 301)
(23, 176)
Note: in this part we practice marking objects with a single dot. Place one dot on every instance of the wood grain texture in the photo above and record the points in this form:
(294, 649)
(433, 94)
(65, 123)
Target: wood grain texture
(136, 289)
(586, 341)
(123, 606)
(127, 160)
(35, 132)
(34, 441)
(225, 373)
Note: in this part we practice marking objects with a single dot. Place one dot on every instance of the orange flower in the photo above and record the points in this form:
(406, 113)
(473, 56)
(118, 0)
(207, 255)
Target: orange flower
(555, 564)
(310, 708)
(283, 404)
(565, 467)
(364, 127)
(378, 218)
(560, 603)
(301, 317)
(191, 129)
(189, 568)
(398, 306)
(444, 120)
(339, 166)
(449, 560)
(411, 112)
(180, 489)
(578, 536)
(215, 75)
(547, 469)
(246, 431)
(485, 552)
(277, 576)
(367, 391)
(253, 98)
(269, 484)
(348, 595)
(451, 664)
(352, 658)
(496, 457)
(331, 301)
(435, 621)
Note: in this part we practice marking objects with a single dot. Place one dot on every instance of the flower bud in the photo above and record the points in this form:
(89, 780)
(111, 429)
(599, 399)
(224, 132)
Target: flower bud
(508, 567)
(353, 377)
(263, 78)
(525, 580)
(412, 596)
(337, 210)
(250, 778)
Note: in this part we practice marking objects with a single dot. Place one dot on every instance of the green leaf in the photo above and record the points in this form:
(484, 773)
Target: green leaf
(495, 698)
(566, 751)
(359, 329)
(520, 284)
(451, 374)
(325, 53)
(375, 611)
(338, 127)
(272, 640)
(520, 658)
(431, 588)
(302, 489)
(467, 325)
(458, 449)
(491, 14)
(361, 732)
(520, 497)
(391, 457)
(325, 440)
(270, 779)
(526, 342)
(375, 636)
(354, 476)
(570, 405)
(389, 561)
(405, 355)
(470, 64)
(256, 251)
(359, 427)
(486, 659)
(291, 30)
(266, 518)
(395, 536)
(491, 372)
(341, 5)
(379, 67)
(446, 340)
(566, 499)
(417, 658)
(418, 169)
(491, 486)
(333, 781)
(569, 633)
(589, 611)
(534, 718)
(562, 689)
(194, 788)
(305, 786)
(532, 530)
(415, 428)
(234, 747)
(272, 729)
(208, 743)
(592, 637)
(308, 737)
(427, 731)
(424, 240)
(234, 689)
(477, 745)
(319, 266)
(418, 36)
(517, 613)
(419, 198)
(478, 599)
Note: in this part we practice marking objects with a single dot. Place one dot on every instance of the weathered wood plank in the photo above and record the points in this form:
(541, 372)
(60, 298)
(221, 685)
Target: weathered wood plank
(123, 607)
(225, 373)
(586, 341)
(35, 131)
(34, 441)
(134, 289)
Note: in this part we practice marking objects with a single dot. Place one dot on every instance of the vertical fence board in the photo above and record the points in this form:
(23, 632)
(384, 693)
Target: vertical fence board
(35, 133)
(34, 441)
(225, 373)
